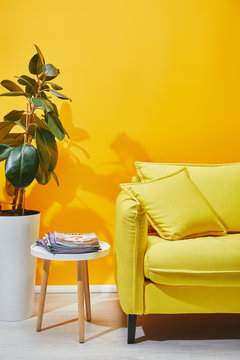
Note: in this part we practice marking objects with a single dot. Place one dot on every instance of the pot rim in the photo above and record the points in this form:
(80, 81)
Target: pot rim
(34, 212)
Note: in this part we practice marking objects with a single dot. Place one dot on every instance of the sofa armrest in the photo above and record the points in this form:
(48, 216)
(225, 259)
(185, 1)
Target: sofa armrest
(130, 243)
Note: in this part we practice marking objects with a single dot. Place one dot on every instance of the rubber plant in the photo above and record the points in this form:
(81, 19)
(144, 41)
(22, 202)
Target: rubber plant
(33, 152)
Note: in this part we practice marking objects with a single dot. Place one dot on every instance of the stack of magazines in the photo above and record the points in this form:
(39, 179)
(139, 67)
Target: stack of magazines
(67, 243)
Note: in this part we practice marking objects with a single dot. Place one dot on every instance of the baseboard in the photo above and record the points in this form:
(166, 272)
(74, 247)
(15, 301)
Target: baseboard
(73, 289)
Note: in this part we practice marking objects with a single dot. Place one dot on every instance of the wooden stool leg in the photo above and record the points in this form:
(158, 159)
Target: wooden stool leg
(42, 297)
(87, 292)
(80, 285)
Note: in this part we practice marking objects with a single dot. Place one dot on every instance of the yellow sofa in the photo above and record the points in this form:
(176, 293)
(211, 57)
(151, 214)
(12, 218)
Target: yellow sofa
(190, 275)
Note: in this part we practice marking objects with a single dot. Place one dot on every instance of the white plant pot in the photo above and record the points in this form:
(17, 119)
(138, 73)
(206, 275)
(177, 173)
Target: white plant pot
(17, 266)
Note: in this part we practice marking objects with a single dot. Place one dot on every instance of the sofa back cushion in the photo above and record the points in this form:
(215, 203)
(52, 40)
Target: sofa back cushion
(219, 183)
(175, 207)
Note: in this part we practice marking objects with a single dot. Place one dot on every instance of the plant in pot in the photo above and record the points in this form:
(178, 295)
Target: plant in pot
(29, 154)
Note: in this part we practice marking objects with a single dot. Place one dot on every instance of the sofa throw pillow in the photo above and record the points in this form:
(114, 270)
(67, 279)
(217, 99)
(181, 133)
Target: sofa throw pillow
(175, 207)
(219, 183)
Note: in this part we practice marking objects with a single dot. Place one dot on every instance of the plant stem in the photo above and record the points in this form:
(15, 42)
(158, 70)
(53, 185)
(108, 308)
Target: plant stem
(28, 140)
(29, 116)
(20, 203)
(23, 206)
(16, 191)
(27, 125)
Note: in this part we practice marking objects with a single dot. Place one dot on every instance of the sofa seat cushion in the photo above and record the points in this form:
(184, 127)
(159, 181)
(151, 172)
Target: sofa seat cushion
(203, 261)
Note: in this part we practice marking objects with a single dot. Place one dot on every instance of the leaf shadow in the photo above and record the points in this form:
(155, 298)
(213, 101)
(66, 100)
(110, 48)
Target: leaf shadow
(77, 204)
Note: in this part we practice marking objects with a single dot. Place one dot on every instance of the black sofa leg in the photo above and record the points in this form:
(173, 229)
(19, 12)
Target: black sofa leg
(132, 321)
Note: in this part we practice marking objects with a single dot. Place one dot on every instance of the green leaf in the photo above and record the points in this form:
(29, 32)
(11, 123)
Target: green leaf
(42, 104)
(22, 165)
(30, 83)
(44, 96)
(47, 149)
(50, 71)
(36, 122)
(5, 128)
(42, 177)
(65, 131)
(55, 109)
(13, 115)
(13, 139)
(39, 122)
(35, 65)
(40, 54)
(26, 80)
(55, 86)
(22, 121)
(17, 117)
(32, 130)
(11, 86)
(55, 126)
(55, 178)
(59, 95)
(13, 94)
(4, 151)
(10, 189)
(45, 87)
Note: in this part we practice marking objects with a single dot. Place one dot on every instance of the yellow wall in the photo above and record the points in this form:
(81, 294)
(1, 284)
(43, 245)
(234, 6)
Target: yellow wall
(150, 80)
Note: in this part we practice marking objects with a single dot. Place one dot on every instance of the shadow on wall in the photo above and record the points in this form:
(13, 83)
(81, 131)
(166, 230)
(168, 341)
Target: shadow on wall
(75, 175)
(63, 207)
(128, 151)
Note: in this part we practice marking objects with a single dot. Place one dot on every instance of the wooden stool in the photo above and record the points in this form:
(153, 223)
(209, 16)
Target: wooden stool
(82, 280)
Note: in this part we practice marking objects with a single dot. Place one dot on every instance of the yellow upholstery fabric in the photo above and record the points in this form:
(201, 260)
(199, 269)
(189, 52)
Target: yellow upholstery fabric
(154, 239)
(141, 296)
(175, 207)
(219, 183)
(164, 299)
(205, 261)
(130, 244)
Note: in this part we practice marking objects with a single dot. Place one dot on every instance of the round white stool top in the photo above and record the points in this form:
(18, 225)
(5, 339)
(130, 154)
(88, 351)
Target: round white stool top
(41, 253)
